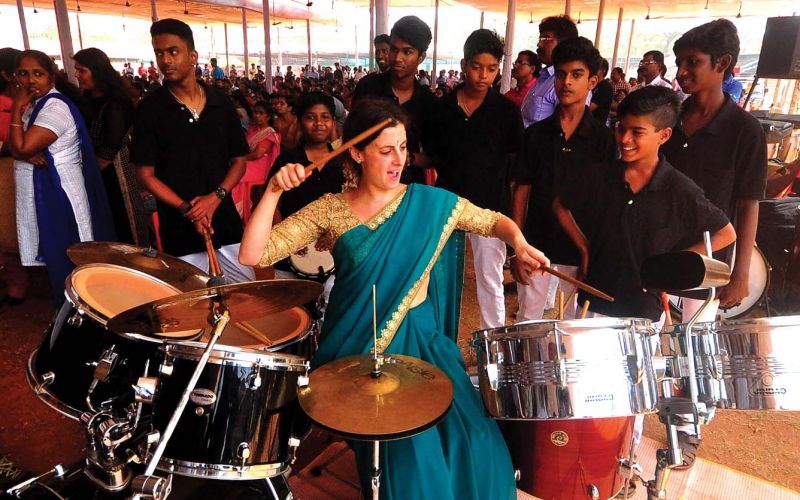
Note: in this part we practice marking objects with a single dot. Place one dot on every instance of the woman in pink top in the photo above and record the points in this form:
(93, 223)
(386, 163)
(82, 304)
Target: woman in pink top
(265, 145)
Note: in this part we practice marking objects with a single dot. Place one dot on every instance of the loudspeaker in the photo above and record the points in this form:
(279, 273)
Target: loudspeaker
(780, 50)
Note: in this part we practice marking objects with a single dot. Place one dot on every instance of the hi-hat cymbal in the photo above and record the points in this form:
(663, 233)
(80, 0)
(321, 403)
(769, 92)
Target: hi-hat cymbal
(180, 274)
(407, 398)
(192, 310)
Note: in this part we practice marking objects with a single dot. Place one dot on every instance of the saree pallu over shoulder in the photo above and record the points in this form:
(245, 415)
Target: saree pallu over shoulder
(396, 251)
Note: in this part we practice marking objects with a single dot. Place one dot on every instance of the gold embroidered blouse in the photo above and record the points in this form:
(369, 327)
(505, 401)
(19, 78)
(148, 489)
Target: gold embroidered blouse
(329, 217)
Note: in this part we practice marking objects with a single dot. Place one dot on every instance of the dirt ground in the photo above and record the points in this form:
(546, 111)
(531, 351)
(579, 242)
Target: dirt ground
(765, 444)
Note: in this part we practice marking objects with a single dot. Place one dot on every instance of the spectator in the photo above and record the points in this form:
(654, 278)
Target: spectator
(525, 70)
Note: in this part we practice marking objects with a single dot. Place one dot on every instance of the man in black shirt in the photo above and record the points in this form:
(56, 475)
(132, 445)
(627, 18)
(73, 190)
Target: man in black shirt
(602, 95)
(382, 47)
(189, 148)
(409, 40)
(477, 133)
(555, 151)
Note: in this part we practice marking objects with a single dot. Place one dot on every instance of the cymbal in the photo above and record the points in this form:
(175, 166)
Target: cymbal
(407, 398)
(192, 310)
(172, 270)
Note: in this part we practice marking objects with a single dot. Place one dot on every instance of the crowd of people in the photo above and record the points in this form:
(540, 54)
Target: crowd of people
(587, 174)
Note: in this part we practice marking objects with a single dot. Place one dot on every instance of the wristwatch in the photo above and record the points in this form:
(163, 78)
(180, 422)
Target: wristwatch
(221, 192)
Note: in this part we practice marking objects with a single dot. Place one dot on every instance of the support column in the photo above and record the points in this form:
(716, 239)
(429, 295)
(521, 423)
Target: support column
(23, 26)
(355, 52)
(508, 52)
(227, 62)
(630, 42)
(381, 17)
(371, 34)
(153, 11)
(567, 7)
(265, 15)
(308, 39)
(434, 74)
(600, 13)
(244, 38)
(616, 41)
(80, 34)
(65, 38)
(482, 13)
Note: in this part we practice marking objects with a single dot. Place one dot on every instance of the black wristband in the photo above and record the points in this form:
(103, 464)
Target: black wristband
(221, 192)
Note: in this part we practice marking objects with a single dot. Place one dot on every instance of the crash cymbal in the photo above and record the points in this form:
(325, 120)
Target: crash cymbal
(192, 310)
(172, 270)
(408, 397)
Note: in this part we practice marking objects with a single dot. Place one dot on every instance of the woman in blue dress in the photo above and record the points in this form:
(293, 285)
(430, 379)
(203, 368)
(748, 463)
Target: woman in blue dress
(409, 242)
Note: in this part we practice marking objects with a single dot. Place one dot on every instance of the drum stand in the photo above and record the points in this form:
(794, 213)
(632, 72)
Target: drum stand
(149, 486)
(375, 481)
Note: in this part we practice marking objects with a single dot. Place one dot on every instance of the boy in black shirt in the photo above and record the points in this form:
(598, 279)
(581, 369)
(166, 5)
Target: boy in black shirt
(555, 150)
(642, 207)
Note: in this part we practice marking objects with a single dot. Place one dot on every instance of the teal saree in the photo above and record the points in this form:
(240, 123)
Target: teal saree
(463, 456)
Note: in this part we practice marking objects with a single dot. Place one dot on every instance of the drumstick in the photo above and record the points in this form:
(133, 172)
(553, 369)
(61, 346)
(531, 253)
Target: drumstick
(585, 309)
(560, 305)
(580, 284)
(667, 313)
(213, 263)
(571, 296)
(319, 164)
(253, 332)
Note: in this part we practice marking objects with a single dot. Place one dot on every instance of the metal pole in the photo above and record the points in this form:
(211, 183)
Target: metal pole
(355, 53)
(600, 13)
(482, 13)
(567, 7)
(153, 11)
(505, 81)
(265, 14)
(244, 38)
(436, 42)
(65, 38)
(308, 39)
(382, 17)
(630, 42)
(371, 34)
(23, 26)
(227, 62)
(616, 39)
(80, 34)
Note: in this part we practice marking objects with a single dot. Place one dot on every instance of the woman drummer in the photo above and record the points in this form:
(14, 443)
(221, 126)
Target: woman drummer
(408, 241)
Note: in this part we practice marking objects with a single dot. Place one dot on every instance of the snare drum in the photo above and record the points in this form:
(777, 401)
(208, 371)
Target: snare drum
(545, 369)
(239, 418)
(751, 364)
(78, 350)
(313, 264)
(291, 331)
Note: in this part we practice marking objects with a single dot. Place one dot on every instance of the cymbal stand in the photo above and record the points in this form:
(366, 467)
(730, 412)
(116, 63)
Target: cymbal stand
(671, 410)
(17, 491)
(377, 362)
(147, 485)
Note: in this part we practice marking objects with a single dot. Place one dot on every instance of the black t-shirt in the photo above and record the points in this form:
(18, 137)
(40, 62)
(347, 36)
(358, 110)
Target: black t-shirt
(192, 157)
(602, 95)
(669, 214)
(552, 165)
(473, 154)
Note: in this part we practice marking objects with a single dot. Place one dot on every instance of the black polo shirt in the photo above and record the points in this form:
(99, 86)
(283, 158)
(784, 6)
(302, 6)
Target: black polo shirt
(473, 154)
(670, 213)
(602, 95)
(421, 107)
(192, 158)
(552, 166)
(727, 158)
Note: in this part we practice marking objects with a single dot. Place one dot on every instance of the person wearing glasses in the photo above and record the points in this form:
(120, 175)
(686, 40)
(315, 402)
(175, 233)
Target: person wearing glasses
(525, 71)
(652, 70)
(541, 100)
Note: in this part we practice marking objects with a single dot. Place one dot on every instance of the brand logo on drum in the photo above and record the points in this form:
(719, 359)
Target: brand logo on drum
(203, 397)
(764, 387)
(559, 438)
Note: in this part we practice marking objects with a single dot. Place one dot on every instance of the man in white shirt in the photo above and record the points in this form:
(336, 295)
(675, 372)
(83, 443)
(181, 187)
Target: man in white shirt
(652, 70)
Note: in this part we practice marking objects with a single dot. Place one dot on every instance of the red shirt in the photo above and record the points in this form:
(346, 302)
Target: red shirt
(5, 116)
(518, 95)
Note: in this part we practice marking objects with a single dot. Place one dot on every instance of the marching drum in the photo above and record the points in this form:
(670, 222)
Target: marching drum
(742, 364)
(312, 264)
(581, 381)
(240, 415)
(80, 365)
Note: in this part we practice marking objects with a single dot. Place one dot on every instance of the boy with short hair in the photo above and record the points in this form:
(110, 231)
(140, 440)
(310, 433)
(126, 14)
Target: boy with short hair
(641, 207)
(477, 133)
(556, 150)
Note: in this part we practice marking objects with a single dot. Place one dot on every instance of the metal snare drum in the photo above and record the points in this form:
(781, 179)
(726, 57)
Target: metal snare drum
(546, 369)
(239, 419)
(750, 364)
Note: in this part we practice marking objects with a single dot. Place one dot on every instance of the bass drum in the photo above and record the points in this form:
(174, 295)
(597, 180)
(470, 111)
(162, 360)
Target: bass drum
(757, 289)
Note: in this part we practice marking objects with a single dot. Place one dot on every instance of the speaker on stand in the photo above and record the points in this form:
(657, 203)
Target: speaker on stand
(780, 51)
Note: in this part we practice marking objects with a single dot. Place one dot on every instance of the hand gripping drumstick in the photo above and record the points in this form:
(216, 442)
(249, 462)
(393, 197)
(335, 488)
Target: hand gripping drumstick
(319, 164)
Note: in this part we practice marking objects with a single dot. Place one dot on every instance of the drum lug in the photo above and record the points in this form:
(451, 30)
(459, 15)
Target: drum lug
(166, 367)
(145, 389)
(716, 365)
(634, 368)
(254, 379)
(302, 381)
(76, 320)
(294, 443)
(492, 376)
(243, 452)
(47, 379)
(103, 366)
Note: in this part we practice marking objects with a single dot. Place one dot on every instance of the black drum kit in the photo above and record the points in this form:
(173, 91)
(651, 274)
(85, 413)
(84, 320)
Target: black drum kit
(174, 378)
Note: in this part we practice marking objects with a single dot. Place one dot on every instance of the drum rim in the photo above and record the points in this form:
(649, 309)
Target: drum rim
(44, 395)
(222, 471)
(235, 355)
(87, 309)
(731, 325)
(587, 323)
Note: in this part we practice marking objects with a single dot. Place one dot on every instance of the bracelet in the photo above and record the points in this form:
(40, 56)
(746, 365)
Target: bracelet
(185, 207)
(15, 125)
(221, 192)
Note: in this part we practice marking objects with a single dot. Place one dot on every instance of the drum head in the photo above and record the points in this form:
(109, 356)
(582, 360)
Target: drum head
(309, 263)
(267, 332)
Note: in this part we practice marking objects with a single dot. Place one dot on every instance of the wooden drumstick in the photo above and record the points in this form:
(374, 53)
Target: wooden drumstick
(253, 332)
(560, 305)
(585, 309)
(580, 284)
(213, 263)
(319, 164)
(667, 312)
(570, 297)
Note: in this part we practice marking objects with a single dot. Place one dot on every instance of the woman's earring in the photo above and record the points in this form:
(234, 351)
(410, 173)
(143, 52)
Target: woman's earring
(358, 161)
